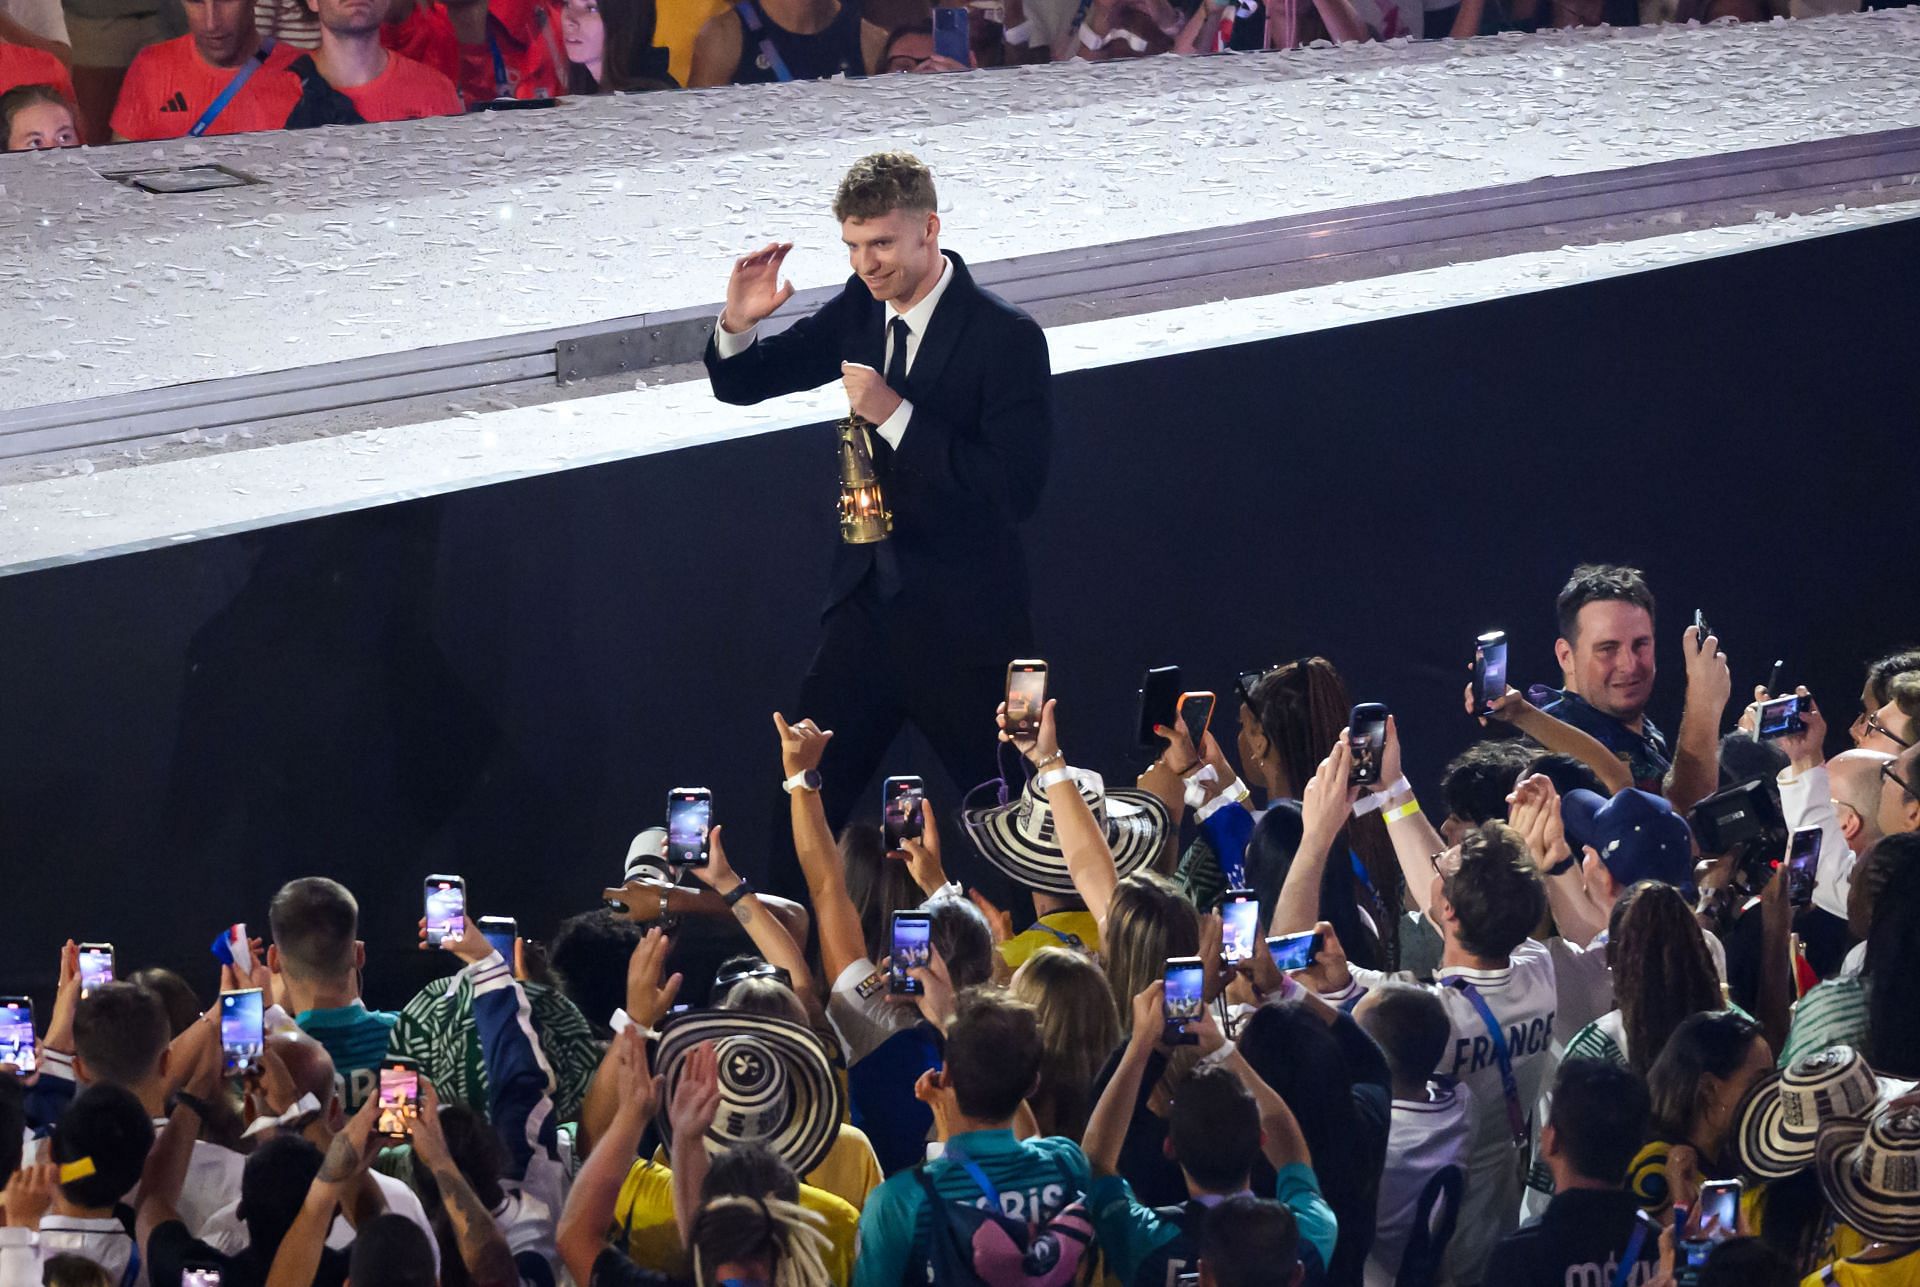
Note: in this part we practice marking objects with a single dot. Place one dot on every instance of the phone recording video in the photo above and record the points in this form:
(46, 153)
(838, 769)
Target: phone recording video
(399, 1099)
(1186, 997)
(1715, 1218)
(689, 823)
(1803, 865)
(1367, 739)
(1026, 696)
(1239, 925)
(1294, 951)
(500, 933)
(1780, 717)
(1159, 703)
(900, 801)
(1196, 712)
(242, 1035)
(17, 1044)
(1490, 669)
(446, 909)
(912, 950)
(950, 34)
(96, 966)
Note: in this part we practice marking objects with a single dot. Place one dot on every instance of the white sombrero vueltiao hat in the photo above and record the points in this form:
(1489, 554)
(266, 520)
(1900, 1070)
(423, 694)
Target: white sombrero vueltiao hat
(1018, 837)
(1778, 1122)
(1870, 1172)
(776, 1084)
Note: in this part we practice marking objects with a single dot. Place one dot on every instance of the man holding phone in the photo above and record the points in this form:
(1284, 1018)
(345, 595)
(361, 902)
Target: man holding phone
(955, 383)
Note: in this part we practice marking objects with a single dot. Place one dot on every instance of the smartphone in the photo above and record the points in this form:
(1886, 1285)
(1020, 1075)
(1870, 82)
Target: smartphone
(689, 822)
(900, 801)
(1186, 997)
(242, 1034)
(1490, 669)
(1715, 1218)
(1239, 925)
(1196, 712)
(1779, 718)
(1803, 862)
(1700, 630)
(1294, 951)
(1367, 739)
(96, 966)
(1026, 696)
(17, 1044)
(446, 903)
(500, 932)
(1159, 703)
(912, 949)
(200, 1276)
(950, 35)
(399, 1098)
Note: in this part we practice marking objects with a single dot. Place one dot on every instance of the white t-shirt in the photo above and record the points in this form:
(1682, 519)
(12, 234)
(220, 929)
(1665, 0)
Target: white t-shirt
(1424, 1138)
(42, 17)
(861, 1012)
(226, 1232)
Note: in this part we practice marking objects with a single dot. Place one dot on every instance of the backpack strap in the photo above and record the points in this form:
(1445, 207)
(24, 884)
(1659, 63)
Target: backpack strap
(1631, 1257)
(750, 20)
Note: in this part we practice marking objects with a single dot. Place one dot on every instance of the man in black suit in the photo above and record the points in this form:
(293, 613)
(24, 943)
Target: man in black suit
(920, 627)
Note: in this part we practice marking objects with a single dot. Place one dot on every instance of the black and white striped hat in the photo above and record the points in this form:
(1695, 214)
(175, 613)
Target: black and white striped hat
(777, 1086)
(1018, 837)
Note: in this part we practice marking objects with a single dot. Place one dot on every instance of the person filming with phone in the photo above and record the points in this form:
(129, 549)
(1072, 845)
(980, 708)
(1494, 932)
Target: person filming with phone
(952, 387)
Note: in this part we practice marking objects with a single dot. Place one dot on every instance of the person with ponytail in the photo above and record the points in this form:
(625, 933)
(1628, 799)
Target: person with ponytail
(757, 1240)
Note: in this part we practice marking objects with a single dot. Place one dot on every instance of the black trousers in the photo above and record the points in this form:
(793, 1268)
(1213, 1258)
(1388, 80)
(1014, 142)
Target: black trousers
(872, 676)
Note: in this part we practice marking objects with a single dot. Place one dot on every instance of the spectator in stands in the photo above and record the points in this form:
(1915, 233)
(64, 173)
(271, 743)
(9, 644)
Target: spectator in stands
(1876, 692)
(878, 884)
(1900, 793)
(1250, 1242)
(37, 118)
(910, 49)
(508, 49)
(1224, 1118)
(1599, 1113)
(422, 31)
(1424, 1172)
(1873, 1009)
(316, 958)
(1079, 1028)
(1477, 782)
(1567, 773)
(1662, 973)
(1607, 668)
(1696, 1084)
(609, 47)
(219, 78)
(353, 77)
(1869, 1171)
(98, 1148)
(759, 42)
(25, 65)
(36, 24)
(993, 1054)
(758, 1240)
(588, 957)
(392, 1252)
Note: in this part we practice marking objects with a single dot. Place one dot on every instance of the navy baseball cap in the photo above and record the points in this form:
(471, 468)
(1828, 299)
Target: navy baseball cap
(1637, 835)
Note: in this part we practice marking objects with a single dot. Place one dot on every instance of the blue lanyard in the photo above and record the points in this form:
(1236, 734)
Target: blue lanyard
(234, 86)
(751, 21)
(1624, 1274)
(1515, 1117)
(502, 87)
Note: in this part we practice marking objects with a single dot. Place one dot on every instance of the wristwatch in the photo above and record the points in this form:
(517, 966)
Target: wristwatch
(733, 896)
(804, 780)
(1564, 866)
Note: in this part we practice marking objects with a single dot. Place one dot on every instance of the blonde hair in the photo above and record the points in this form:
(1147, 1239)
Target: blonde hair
(784, 1234)
(1148, 921)
(1079, 1028)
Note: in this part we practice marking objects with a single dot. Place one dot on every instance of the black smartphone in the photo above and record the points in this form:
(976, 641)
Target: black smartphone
(1186, 997)
(1196, 712)
(1779, 718)
(900, 801)
(912, 949)
(1715, 1219)
(1026, 696)
(96, 966)
(1159, 703)
(446, 903)
(242, 1029)
(399, 1099)
(1803, 864)
(950, 34)
(1367, 739)
(1239, 925)
(689, 822)
(1490, 669)
(1294, 951)
(18, 1046)
(1700, 630)
(500, 933)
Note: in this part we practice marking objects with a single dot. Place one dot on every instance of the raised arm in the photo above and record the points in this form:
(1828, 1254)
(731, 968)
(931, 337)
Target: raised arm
(1695, 774)
(1089, 859)
(1414, 838)
(766, 931)
(648, 1001)
(297, 1261)
(696, 1101)
(1324, 809)
(1534, 811)
(483, 1248)
(1107, 1127)
(841, 942)
(1557, 735)
(596, 1190)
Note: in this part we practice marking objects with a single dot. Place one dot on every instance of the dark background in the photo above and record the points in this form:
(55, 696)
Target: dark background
(504, 682)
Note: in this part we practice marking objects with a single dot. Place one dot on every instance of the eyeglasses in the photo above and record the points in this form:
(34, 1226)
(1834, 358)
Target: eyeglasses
(1886, 771)
(1446, 862)
(1874, 725)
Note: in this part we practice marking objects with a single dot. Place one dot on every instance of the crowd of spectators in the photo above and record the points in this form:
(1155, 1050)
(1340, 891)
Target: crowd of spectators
(1587, 1024)
(100, 71)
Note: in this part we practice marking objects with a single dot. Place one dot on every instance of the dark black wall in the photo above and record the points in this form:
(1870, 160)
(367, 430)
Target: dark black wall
(505, 681)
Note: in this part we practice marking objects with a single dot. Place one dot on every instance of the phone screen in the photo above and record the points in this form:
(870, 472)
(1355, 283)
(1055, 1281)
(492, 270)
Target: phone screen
(200, 1276)
(1186, 996)
(1239, 925)
(1716, 1219)
(1159, 703)
(689, 819)
(446, 898)
(1803, 865)
(1294, 951)
(950, 34)
(1490, 664)
(241, 1036)
(1367, 739)
(1196, 712)
(1779, 717)
(16, 1035)
(500, 931)
(900, 800)
(399, 1100)
(912, 949)
(96, 967)
(1026, 695)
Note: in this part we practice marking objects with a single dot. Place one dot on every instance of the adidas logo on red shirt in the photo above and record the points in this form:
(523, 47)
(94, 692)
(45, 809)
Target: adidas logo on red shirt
(178, 103)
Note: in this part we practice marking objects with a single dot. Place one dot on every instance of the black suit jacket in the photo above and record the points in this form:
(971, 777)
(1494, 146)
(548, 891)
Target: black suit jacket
(971, 465)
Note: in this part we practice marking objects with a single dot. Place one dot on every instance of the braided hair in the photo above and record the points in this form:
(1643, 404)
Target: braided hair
(1662, 970)
(784, 1235)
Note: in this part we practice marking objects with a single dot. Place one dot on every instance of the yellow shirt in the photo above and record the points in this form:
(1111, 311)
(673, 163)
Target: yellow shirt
(645, 1211)
(851, 1170)
(1904, 1272)
(1077, 930)
(676, 23)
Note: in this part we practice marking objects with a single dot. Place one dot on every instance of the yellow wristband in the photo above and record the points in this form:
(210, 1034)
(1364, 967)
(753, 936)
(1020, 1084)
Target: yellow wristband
(1406, 810)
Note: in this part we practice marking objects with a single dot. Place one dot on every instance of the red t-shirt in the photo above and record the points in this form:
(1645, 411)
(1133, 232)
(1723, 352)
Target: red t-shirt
(20, 65)
(426, 36)
(170, 85)
(405, 91)
(527, 34)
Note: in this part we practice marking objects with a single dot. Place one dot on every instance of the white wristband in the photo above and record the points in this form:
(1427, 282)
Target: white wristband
(621, 1021)
(1053, 778)
(1236, 792)
(1019, 35)
(1374, 803)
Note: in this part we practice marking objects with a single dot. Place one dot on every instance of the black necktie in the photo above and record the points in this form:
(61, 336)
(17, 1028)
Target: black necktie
(897, 364)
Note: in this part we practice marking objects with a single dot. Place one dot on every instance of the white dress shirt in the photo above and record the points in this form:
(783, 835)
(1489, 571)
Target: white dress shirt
(894, 428)
(1807, 801)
